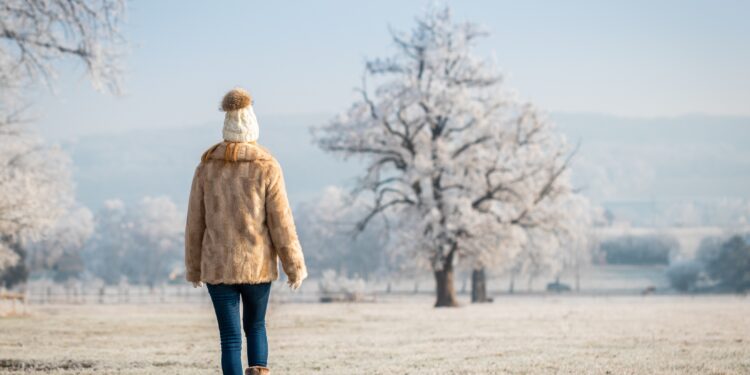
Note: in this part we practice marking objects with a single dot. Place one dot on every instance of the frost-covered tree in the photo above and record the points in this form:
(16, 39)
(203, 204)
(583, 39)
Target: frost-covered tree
(576, 235)
(35, 191)
(521, 190)
(59, 250)
(106, 250)
(538, 256)
(561, 244)
(457, 162)
(158, 235)
(36, 34)
(141, 244)
(327, 230)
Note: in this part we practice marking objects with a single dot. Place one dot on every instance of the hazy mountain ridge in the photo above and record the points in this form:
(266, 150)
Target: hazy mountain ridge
(132, 164)
(628, 164)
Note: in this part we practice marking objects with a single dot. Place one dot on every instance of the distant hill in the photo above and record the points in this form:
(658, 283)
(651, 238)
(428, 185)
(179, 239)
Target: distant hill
(130, 165)
(661, 158)
(690, 170)
(632, 165)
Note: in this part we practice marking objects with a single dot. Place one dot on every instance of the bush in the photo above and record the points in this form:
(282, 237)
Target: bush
(725, 262)
(340, 288)
(684, 276)
(730, 265)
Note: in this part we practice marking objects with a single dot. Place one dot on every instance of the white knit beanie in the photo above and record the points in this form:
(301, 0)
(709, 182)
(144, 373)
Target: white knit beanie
(240, 124)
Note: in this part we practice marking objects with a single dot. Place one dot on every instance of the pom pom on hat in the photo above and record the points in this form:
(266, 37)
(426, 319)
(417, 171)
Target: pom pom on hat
(240, 123)
(235, 100)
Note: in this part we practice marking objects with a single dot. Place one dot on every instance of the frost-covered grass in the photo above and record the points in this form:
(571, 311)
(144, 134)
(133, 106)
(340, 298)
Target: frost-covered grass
(576, 335)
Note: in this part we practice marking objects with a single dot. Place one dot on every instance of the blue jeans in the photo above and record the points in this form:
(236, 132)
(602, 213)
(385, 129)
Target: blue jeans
(226, 301)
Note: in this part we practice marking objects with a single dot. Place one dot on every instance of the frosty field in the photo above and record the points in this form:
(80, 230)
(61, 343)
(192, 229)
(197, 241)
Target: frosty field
(515, 335)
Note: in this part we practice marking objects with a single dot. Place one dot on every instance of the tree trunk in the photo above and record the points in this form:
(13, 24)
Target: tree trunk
(479, 286)
(512, 284)
(446, 293)
(17, 274)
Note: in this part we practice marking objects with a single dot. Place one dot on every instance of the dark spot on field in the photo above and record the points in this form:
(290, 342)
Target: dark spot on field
(165, 364)
(68, 364)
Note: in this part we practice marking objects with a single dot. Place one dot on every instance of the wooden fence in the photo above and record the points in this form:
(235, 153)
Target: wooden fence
(42, 292)
(48, 293)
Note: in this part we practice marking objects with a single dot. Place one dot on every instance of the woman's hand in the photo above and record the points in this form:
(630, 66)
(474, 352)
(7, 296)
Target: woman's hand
(197, 284)
(294, 284)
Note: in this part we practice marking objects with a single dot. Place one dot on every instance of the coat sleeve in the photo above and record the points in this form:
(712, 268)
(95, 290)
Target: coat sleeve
(196, 225)
(281, 226)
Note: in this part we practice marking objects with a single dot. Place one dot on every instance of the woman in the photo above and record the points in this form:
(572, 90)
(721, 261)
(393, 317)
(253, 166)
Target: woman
(238, 224)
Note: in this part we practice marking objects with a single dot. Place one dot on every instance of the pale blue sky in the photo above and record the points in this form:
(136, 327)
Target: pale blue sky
(631, 58)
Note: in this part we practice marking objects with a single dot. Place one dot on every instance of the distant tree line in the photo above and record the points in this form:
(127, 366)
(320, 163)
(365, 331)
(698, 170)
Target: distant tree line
(142, 244)
(138, 244)
(639, 250)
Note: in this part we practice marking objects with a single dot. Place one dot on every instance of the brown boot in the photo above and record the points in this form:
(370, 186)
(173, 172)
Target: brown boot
(257, 370)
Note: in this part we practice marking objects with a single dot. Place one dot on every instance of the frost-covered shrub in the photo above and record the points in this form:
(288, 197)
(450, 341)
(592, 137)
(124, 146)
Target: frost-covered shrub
(334, 287)
(684, 275)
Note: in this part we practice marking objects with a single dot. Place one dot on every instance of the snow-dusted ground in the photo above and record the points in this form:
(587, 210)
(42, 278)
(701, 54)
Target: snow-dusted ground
(522, 334)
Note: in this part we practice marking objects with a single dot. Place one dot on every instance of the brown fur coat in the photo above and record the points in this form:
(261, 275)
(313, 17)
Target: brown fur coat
(239, 220)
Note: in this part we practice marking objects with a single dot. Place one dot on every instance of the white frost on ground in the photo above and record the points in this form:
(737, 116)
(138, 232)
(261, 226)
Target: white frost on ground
(517, 335)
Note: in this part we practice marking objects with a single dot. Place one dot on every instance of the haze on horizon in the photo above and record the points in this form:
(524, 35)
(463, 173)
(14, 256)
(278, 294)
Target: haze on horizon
(609, 73)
